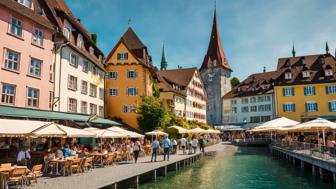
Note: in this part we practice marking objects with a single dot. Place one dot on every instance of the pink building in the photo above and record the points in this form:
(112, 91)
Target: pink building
(26, 55)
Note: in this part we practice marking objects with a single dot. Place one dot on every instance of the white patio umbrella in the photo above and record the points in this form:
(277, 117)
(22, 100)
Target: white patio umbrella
(130, 134)
(156, 133)
(50, 130)
(198, 130)
(104, 133)
(274, 124)
(212, 131)
(179, 129)
(19, 128)
(73, 132)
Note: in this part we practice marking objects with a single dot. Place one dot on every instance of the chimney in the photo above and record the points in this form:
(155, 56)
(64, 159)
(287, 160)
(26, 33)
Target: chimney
(264, 70)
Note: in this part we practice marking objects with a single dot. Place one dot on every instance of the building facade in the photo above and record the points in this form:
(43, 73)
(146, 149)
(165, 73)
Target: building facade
(130, 77)
(306, 87)
(251, 102)
(215, 72)
(185, 91)
(26, 55)
(79, 71)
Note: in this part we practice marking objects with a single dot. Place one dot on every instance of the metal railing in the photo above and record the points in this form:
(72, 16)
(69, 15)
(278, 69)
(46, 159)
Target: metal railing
(308, 149)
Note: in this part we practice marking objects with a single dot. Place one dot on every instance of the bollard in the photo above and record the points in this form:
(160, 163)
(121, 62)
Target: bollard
(137, 182)
(165, 171)
(115, 186)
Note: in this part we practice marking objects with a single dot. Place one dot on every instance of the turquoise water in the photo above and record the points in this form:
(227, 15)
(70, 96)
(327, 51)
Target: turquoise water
(249, 168)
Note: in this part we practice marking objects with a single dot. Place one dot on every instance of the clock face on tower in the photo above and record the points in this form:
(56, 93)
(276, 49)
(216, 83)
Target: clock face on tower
(211, 76)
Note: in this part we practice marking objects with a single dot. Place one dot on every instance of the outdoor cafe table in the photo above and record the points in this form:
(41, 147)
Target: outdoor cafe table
(4, 175)
(101, 157)
(59, 162)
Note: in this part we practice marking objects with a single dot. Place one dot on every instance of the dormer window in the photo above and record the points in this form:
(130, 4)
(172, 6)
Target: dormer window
(305, 74)
(66, 32)
(91, 50)
(122, 56)
(328, 72)
(288, 75)
(26, 3)
(80, 42)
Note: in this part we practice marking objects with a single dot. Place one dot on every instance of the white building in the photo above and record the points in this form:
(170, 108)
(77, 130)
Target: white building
(251, 102)
(79, 71)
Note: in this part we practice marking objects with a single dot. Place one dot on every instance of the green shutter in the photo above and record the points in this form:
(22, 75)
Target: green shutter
(294, 108)
(326, 89)
(284, 107)
(283, 91)
(314, 90)
(293, 91)
(329, 104)
(304, 91)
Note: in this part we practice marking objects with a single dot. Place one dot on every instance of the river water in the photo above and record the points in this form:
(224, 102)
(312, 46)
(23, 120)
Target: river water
(248, 168)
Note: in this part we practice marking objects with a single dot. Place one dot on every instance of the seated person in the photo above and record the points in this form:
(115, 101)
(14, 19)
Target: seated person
(66, 151)
(59, 153)
(23, 156)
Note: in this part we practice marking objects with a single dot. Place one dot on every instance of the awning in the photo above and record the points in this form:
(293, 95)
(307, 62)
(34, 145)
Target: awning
(18, 112)
(130, 134)
(179, 129)
(156, 133)
(198, 130)
(19, 128)
(104, 133)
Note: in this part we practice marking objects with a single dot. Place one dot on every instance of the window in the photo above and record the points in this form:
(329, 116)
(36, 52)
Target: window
(94, 69)
(289, 107)
(93, 109)
(234, 110)
(80, 41)
(309, 90)
(332, 106)
(73, 60)
(12, 60)
(261, 108)
(35, 67)
(93, 90)
(101, 93)
(233, 102)
(113, 75)
(253, 109)
(51, 99)
(331, 89)
(72, 105)
(131, 74)
(255, 119)
(132, 91)
(122, 56)
(26, 3)
(245, 109)
(91, 50)
(83, 107)
(85, 66)
(253, 99)
(268, 98)
(288, 75)
(128, 109)
(33, 97)
(328, 72)
(288, 91)
(84, 88)
(113, 92)
(16, 27)
(8, 94)
(265, 118)
(261, 99)
(268, 107)
(305, 74)
(245, 100)
(72, 82)
(101, 111)
(38, 37)
(66, 32)
(311, 107)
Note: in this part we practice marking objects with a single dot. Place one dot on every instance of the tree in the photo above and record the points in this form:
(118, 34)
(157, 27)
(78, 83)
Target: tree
(156, 90)
(153, 114)
(234, 81)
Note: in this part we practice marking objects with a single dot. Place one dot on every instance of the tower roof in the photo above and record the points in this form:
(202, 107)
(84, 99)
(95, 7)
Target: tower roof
(164, 62)
(215, 55)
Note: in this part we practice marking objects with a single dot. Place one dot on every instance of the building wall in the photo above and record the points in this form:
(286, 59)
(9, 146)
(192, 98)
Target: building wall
(27, 50)
(143, 82)
(240, 117)
(62, 71)
(217, 82)
(299, 99)
(176, 103)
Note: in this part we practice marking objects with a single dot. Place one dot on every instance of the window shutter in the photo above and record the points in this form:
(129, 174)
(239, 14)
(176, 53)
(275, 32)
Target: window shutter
(283, 92)
(293, 107)
(329, 104)
(293, 92)
(127, 91)
(305, 91)
(314, 90)
(326, 89)
(135, 73)
(136, 91)
(116, 92)
(306, 107)
(316, 106)
(116, 75)
(284, 107)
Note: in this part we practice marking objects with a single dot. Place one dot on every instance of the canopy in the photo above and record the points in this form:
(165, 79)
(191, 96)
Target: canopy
(180, 130)
(316, 124)
(157, 133)
(73, 132)
(212, 131)
(104, 133)
(198, 130)
(130, 134)
(275, 124)
(50, 130)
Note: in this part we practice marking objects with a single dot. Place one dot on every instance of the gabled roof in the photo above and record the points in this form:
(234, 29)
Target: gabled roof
(131, 40)
(27, 12)
(215, 55)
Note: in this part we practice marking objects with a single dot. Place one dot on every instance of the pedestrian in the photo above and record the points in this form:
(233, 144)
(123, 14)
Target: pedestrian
(202, 143)
(174, 143)
(183, 144)
(194, 144)
(155, 148)
(189, 145)
(166, 146)
(136, 150)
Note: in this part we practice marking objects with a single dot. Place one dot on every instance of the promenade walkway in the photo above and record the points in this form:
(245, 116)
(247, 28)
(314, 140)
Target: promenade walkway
(101, 177)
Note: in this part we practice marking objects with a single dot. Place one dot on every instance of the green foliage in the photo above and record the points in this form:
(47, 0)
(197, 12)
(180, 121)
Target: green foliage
(156, 90)
(153, 114)
(234, 81)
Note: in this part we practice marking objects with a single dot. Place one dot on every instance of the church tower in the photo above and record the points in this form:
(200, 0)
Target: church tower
(164, 62)
(215, 72)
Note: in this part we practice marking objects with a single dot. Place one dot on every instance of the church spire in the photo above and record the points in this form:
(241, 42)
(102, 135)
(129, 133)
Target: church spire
(293, 51)
(327, 48)
(164, 62)
(215, 55)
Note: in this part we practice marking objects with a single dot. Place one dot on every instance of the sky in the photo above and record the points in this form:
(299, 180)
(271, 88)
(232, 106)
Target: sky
(254, 33)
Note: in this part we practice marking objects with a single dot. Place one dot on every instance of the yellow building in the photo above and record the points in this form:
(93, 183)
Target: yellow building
(130, 69)
(306, 87)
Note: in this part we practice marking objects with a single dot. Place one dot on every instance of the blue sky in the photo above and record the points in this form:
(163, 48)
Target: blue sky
(254, 33)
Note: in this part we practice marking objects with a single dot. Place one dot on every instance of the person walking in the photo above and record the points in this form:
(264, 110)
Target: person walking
(183, 145)
(194, 144)
(166, 146)
(136, 150)
(201, 143)
(174, 143)
(155, 148)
